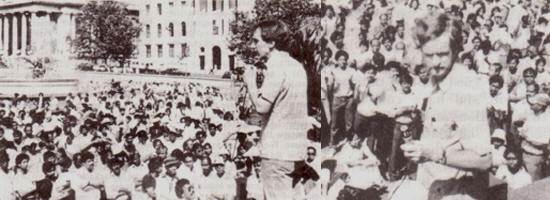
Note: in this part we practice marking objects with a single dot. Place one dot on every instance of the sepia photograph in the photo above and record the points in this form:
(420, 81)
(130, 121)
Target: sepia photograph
(160, 100)
(435, 99)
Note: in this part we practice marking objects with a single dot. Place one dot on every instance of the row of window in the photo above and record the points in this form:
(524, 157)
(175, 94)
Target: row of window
(216, 4)
(184, 50)
(215, 29)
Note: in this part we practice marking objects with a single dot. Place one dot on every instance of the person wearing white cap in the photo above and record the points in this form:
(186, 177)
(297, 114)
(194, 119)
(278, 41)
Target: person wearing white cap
(220, 185)
(535, 135)
(166, 183)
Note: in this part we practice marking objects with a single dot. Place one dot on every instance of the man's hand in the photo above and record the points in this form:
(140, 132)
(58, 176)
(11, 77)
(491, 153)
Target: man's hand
(417, 150)
(249, 76)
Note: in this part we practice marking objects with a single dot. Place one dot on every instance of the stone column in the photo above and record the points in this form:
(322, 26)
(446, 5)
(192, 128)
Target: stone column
(63, 31)
(15, 37)
(36, 28)
(6, 28)
(73, 25)
(2, 17)
(24, 34)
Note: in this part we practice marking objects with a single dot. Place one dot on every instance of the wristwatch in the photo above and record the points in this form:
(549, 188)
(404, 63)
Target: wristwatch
(443, 159)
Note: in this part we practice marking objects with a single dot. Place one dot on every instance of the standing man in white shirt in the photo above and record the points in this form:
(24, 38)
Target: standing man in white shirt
(342, 94)
(283, 97)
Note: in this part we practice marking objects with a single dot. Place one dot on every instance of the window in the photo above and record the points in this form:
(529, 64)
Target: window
(214, 27)
(171, 4)
(148, 50)
(221, 5)
(171, 29)
(203, 5)
(159, 7)
(214, 5)
(184, 50)
(222, 27)
(183, 3)
(183, 29)
(148, 30)
(236, 4)
(232, 62)
(193, 4)
(159, 50)
(159, 27)
(171, 50)
(231, 4)
(147, 8)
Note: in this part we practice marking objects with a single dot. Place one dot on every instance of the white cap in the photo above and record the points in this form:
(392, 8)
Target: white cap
(499, 134)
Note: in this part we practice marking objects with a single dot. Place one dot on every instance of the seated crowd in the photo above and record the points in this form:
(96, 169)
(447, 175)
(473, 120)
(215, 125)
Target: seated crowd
(133, 140)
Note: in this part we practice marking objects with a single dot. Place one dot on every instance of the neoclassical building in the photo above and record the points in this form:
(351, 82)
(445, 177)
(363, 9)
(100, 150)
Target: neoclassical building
(190, 35)
(39, 27)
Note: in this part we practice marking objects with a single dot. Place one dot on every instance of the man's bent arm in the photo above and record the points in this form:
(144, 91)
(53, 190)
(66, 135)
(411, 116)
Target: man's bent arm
(468, 159)
(262, 105)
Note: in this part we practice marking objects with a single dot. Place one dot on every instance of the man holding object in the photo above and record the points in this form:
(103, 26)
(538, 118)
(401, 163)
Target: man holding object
(454, 151)
(283, 99)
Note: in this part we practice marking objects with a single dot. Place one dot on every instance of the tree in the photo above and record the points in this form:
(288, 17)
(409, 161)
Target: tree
(106, 31)
(303, 20)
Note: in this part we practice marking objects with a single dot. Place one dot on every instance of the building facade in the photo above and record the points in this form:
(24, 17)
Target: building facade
(188, 35)
(37, 27)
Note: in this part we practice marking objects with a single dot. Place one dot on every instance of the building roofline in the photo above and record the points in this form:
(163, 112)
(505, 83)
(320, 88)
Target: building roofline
(16, 4)
(65, 3)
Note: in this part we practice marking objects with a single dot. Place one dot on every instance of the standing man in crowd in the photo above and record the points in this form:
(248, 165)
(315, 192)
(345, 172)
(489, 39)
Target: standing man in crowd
(454, 149)
(283, 97)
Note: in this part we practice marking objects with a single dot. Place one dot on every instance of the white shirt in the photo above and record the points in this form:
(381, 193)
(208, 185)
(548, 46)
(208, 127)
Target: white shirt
(519, 179)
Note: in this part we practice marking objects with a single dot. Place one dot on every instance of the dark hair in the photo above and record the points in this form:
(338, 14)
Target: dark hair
(48, 167)
(496, 78)
(48, 154)
(368, 66)
(328, 51)
(511, 57)
(154, 164)
(394, 64)
(21, 157)
(188, 155)
(203, 133)
(177, 153)
(515, 151)
(378, 60)
(466, 56)
(540, 60)
(433, 25)
(274, 31)
(335, 35)
(340, 54)
(85, 156)
(406, 78)
(179, 187)
(4, 157)
(530, 70)
(417, 69)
